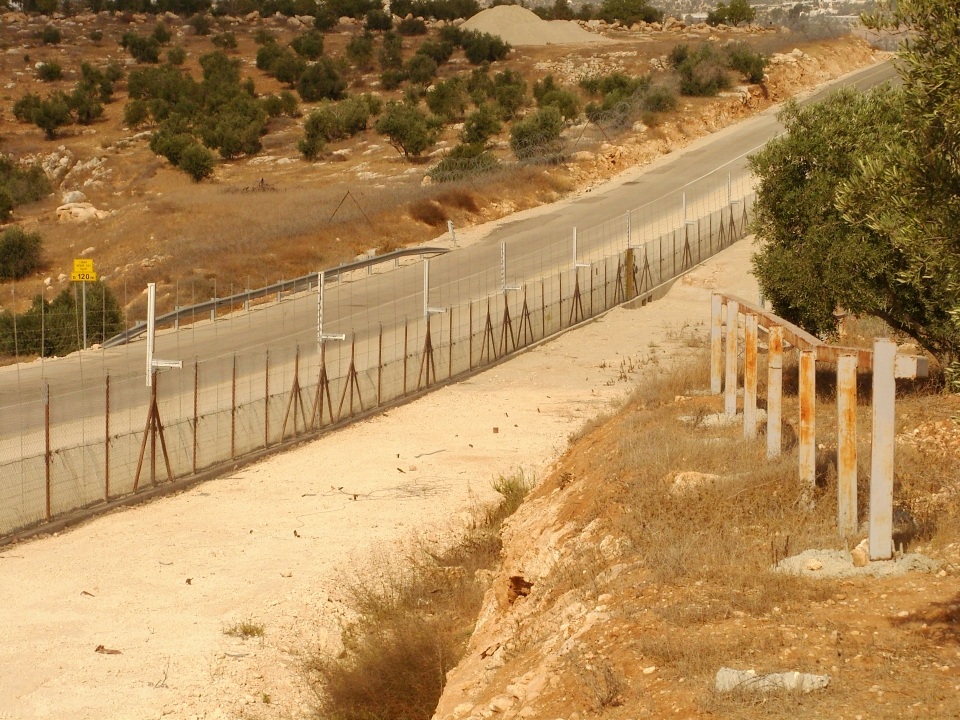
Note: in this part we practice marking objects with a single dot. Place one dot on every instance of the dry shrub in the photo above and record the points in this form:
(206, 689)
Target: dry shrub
(429, 212)
(459, 198)
(703, 653)
(414, 621)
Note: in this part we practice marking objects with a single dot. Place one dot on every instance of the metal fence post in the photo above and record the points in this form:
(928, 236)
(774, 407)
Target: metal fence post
(233, 409)
(847, 444)
(774, 390)
(730, 399)
(881, 454)
(106, 441)
(716, 344)
(47, 457)
(196, 419)
(266, 401)
(750, 377)
(808, 418)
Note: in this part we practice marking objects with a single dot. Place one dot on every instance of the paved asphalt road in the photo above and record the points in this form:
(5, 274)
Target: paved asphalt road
(535, 246)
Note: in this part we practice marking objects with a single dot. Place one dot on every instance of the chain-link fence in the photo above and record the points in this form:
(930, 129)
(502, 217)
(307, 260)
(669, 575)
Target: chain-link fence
(105, 435)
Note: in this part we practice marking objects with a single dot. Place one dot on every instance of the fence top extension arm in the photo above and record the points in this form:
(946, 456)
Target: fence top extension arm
(293, 285)
(907, 366)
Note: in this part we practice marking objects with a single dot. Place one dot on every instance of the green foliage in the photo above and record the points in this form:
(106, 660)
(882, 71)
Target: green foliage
(436, 9)
(378, 20)
(136, 112)
(49, 71)
(161, 34)
(95, 35)
(660, 98)
(391, 52)
(463, 161)
(356, 9)
(176, 55)
(51, 35)
(407, 128)
(220, 111)
(262, 36)
(480, 85)
(360, 51)
(480, 126)
(54, 329)
(20, 185)
(24, 107)
(437, 50)
(483, 47)
(321, 81)
(225, 41)
(52, 113)
(287, 67)
(19, 252)
(201, 23)
(391, 79)
(560, 10)
(617, 82)
(448, 99)
(747, 61)
(737, 12)
(908, 188)
(412, 26)
(325, 20)
(628, 12)
(94, 81)
(142, 49)
(547, 93)
(336, 121)
(196, 161)
(308, 45)
(509, 92)
(420, 69)
(536, 134)
(703, 71)
(85, 103)
(283, 104)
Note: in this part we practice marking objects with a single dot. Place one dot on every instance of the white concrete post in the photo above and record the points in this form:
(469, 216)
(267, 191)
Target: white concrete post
(808, 417)
(151, 328)
(774, 390)
(716, 344)
(750, 377)
(847, 444)
(730, 397)
(453, 233)
(881, 454)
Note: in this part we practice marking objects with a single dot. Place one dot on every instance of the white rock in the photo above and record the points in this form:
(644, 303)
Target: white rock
(79, 212)
(87, 251)
(74, 196)
(729, 679)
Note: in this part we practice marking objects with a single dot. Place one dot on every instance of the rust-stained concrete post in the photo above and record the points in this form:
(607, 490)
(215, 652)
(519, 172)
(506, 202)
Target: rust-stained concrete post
(750, 377)
(774, 390)
(808, 417)
(847, 444)
(730, 399)
(716, 344)
(881, 455)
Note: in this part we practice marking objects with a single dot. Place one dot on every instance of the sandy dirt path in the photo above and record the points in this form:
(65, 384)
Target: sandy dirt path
(159, 583)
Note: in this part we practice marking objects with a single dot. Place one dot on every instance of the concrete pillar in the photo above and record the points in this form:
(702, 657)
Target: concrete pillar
(750, 377)
(716, 344)
(774, 391)
(881, 454)
(847, 444)
(808, 418)
(730, 398)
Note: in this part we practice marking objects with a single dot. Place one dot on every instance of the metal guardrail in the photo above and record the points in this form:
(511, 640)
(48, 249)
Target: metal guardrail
(304, 282)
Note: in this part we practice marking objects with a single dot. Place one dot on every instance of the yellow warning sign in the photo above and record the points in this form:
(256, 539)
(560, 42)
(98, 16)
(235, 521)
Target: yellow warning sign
(83, 266)
(83, 276)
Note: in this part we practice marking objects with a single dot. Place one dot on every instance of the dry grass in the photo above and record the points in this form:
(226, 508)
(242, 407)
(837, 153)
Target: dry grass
(429, 212)
(245, 629)
(414, 620)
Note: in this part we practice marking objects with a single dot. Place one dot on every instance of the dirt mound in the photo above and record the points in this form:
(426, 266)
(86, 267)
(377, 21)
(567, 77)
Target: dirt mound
(519, 26)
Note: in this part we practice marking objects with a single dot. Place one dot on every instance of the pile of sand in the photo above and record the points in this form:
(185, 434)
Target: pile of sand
(519, 26)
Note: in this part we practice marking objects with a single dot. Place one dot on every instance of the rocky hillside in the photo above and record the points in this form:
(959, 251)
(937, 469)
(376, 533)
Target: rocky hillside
(644, 563)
